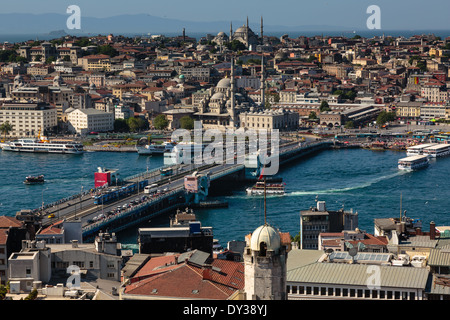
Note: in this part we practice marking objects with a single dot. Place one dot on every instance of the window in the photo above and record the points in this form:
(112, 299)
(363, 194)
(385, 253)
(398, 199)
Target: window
(337, 292)
(330, 291)
(294, 289)
(374, 294)
(91, 264)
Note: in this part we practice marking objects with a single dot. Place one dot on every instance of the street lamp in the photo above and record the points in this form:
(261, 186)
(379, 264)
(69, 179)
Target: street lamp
(43, 198)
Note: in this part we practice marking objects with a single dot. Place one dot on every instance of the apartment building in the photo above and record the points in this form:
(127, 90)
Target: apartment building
(95, 62)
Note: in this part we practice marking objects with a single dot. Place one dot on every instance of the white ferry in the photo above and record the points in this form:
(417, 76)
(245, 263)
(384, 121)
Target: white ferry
(413, 162)
(418, 149)
(155, 149)
(271, 188)
(39, 146)
(436, 151)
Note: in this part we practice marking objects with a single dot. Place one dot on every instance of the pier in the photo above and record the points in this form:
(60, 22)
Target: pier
(137, 207)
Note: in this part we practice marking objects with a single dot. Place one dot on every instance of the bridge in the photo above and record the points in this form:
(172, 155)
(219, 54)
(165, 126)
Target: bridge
(137, 207)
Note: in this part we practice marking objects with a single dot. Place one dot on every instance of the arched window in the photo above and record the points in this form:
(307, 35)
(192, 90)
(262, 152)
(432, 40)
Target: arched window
(262, 249)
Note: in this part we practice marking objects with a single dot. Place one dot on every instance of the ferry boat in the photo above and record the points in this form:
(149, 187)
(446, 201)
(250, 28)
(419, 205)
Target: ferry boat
(418, 149)
(271, 188)
(413, 162)
(155, 149)
(34, 179)
(40, 146)
(438, 150)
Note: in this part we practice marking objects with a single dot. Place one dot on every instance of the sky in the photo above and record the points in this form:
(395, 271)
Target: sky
(395, 14)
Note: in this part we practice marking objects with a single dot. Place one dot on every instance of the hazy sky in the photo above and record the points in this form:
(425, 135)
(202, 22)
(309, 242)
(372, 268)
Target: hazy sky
(395, 14)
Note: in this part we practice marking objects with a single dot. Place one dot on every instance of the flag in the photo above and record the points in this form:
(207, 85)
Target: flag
(261, 175)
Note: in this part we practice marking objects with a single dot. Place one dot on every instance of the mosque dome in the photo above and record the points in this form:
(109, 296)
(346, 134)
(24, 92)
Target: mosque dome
(267, 235)
(224, 83)
(217, 96)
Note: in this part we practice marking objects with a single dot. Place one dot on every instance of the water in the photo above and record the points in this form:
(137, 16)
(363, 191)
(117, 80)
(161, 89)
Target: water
(366, 181)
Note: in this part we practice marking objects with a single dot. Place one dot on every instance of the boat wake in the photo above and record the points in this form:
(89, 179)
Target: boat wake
(343, 190)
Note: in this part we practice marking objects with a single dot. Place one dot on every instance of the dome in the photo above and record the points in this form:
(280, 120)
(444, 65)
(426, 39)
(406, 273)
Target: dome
(217, 96)
(224, 83)
(268, 235)
(181, 76)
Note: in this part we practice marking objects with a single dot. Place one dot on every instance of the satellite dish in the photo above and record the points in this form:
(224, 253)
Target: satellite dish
(329, 251)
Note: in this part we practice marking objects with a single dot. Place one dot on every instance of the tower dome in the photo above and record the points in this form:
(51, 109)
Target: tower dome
(266, 235)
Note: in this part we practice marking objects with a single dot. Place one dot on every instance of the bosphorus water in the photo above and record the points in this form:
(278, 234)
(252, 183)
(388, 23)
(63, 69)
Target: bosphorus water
(366, 181)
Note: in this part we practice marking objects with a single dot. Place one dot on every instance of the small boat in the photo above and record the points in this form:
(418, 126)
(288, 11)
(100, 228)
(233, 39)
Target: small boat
(271, 188)
(413, 163)
(378, 146)
(34, 179)
(155, 149)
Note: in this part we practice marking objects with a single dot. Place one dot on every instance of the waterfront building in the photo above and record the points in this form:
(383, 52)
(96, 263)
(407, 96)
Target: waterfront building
(320, 220)
(174, 116)
(62, 231)
(280, 119)
(28, 118)
(86, 120)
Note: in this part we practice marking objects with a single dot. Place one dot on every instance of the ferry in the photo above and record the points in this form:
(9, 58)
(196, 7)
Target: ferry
(40, 146)
(436, 151)
(413, 162)
(271, 188)
(418, 149)
(155, 149)
(34, 179)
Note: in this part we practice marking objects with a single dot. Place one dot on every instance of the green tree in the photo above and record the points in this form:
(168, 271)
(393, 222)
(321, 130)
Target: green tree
(349, 125)
(385, 117)
(236, 45)
(108, 50)
(324, 106)
(187, 123)
(121, 125)
(135, 124)
(6, 128)
(160, 122)
(33, 295)
(312, 115)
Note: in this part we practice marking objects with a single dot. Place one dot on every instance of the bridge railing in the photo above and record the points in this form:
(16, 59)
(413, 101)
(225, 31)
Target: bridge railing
(151, 201)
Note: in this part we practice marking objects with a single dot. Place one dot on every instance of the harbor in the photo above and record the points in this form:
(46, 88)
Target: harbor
(344, 186)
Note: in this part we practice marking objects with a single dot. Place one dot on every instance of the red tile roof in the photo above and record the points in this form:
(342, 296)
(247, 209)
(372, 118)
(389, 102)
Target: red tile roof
(3, 236)
(6, 222)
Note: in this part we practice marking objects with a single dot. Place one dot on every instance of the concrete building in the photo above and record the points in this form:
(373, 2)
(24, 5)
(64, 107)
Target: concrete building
(28, 118)
(268, 120)
(86, 120)
(320, 220)
(174, 116)
(61, 232)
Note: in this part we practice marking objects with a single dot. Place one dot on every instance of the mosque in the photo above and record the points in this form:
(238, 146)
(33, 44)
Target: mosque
(243, 34)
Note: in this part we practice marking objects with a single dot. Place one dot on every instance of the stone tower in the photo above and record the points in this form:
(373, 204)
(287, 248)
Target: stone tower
(265, 265)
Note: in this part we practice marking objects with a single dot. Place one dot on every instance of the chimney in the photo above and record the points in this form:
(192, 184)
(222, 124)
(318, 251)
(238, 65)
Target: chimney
(432, 230)
(206, 273)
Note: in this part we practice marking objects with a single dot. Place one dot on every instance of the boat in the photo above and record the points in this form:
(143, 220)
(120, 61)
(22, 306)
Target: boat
(270, 188)
(378, 146)
(438, 150)
(41, 146)
(418, 149)
(217, 247)
(34, 179)
(413, 163)
(155, 149)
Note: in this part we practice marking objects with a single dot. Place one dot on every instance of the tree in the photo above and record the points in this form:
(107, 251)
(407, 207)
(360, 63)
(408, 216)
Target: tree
(385, 117)
(312, 115)
(33, 295)
(161, 122)
(121, 125)
(236, 45)
(187, 123)
(324, 106)
(135, 124)
(6, 128)
(349, 125)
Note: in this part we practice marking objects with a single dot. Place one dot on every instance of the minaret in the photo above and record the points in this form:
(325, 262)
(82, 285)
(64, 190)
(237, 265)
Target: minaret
(231, 32)
(263, 102)
(232, 108)
(262, 33)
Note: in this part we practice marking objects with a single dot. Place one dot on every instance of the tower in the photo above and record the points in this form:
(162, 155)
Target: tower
(265, 265)
(230, 38)
(262, 33)
(263, 102)
(232, 89)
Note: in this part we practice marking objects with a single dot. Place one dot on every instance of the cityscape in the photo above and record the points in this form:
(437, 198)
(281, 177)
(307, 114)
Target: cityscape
(243, 164)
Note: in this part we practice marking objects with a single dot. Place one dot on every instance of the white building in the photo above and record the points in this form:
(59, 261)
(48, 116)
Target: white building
(86, 120)
(27, 118)
(123, 112)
